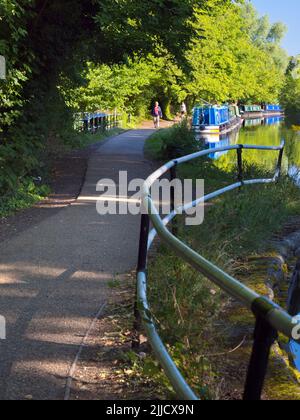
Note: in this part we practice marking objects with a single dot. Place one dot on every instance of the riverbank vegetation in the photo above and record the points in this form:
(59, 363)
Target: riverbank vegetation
(75, 56)
(203, 326)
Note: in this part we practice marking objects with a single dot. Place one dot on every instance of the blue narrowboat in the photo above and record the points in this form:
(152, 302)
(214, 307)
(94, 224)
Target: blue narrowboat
(215, 119)
(273, 110)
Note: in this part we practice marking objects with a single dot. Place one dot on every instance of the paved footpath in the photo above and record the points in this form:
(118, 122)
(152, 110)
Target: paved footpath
(54, 277)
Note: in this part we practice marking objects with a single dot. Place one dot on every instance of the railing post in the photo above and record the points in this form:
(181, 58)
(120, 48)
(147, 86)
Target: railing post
(240, 162)
(279, 163)
(173, 176)
(142, 266)
(264, 338)
(85, 124)
(294, 292)
(91, 123)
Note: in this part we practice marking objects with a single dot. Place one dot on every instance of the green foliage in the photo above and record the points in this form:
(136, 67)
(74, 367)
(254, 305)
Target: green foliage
(129, 87)
(290, 95)
(23, 197)
(266, 36)
(145, 26)
(229, 65)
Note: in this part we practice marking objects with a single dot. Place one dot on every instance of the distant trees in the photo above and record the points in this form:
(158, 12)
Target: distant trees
(290, 95)
(236, 55)
(266, 36)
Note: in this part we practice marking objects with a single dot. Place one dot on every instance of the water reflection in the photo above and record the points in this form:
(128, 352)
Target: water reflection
(273, 121)
(263, 132)
(213, 141)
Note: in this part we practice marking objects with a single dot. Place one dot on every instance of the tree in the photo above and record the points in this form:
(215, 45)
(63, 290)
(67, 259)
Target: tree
(227, 62)
(266, 36)
(290, 95)
(129, 87)
(144, 26)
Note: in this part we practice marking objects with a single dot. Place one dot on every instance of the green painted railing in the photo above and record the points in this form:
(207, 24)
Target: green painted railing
(270, 318)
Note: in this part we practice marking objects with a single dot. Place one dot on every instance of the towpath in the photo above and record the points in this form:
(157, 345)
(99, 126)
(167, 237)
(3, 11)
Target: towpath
(54, 277)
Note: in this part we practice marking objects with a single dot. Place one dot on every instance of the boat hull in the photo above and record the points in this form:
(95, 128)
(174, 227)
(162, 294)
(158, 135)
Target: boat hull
(252, 115)
(274, 114)
(219, 129)
(263, 114)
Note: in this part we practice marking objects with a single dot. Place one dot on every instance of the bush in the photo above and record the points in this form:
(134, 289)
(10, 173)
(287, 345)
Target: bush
(23, 197)
(172, 143)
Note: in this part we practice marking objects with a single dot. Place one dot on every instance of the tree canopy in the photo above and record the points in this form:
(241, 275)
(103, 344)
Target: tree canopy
(83, 55)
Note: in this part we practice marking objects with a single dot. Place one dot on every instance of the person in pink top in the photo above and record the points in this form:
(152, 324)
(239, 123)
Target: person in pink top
(157, 115)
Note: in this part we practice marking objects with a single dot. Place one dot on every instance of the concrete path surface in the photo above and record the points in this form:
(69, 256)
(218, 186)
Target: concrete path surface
(54, 277)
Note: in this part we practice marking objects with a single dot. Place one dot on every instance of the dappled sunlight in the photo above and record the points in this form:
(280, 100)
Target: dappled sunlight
(47, 318)
(19, 272)
(57, 330)
(79, 275)
(12, 273)
(9, 278)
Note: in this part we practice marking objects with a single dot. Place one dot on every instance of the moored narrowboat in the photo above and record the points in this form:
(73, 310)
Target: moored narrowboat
(251, 111)
(260, 111)
(215, 119)
(273, 110)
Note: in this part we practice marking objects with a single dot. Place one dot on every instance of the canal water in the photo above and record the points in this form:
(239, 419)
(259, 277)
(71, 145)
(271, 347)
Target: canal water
(264, 132)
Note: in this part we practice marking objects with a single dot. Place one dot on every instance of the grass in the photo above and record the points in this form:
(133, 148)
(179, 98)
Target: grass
(170, 143)
(83, 140)
(154, 145)
(194, 317)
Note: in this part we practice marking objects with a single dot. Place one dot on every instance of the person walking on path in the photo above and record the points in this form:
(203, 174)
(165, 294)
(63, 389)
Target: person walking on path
(183, 111)
(157, 115)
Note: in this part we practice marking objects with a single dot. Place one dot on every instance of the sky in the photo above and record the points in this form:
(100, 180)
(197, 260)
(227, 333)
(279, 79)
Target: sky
(288, 12)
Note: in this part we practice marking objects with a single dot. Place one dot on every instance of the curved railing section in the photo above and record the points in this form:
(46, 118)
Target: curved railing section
(270, 318)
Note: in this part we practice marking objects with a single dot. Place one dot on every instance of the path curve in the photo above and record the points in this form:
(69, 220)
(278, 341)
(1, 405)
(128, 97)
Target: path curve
(54, 277)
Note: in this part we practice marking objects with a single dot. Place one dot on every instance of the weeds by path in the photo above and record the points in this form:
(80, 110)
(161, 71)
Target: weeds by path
(108, 369)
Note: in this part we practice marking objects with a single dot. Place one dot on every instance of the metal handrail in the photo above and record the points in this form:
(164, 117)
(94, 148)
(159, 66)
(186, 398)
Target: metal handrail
(270, 317)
